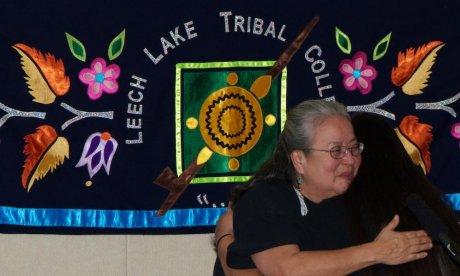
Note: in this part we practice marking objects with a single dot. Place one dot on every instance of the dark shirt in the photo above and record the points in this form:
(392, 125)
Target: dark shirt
(269, 215)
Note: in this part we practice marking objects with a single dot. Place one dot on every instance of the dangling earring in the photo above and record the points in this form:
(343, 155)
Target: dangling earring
(299, 181)
(303, 206)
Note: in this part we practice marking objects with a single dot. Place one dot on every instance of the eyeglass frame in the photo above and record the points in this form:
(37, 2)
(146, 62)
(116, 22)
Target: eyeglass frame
(343, 150)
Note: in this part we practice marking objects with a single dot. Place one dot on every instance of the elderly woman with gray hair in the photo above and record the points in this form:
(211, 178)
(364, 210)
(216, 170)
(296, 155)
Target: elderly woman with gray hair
(289, 219)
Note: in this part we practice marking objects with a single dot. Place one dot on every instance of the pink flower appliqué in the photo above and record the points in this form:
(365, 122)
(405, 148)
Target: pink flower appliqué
(357, 74)
(455, 131)
(100, 78)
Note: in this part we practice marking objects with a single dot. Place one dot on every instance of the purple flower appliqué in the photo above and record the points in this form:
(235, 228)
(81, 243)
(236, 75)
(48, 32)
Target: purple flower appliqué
(98, 151)
(100, 78)
(357, 74)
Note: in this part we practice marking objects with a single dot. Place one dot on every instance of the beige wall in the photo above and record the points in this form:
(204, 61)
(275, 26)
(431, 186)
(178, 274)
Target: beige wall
(156, 255)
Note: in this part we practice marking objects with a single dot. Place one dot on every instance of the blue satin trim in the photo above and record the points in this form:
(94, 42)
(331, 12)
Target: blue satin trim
(454, 201)
(89, 218)
(109, 218)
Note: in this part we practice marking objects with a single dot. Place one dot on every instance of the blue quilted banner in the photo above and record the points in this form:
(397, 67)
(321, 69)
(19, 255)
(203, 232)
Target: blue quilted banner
(140, 116)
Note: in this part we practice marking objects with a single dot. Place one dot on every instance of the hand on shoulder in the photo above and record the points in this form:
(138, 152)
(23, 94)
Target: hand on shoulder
(392, 247)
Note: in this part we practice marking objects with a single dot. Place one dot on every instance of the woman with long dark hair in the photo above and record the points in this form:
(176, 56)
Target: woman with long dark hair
(386, 178)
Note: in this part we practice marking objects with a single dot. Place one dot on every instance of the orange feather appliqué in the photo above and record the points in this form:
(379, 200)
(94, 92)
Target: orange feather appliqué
(413, 69)
(45, 74)
(44, 151)
(420, 136)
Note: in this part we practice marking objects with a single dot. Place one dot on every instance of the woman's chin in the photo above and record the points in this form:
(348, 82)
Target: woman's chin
(342, 187)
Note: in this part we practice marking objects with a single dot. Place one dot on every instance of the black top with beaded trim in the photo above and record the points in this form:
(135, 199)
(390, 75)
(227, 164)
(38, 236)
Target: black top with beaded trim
(269, 215)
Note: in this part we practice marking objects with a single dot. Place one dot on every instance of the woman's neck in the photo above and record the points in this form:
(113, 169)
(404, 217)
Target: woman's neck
(313, 196)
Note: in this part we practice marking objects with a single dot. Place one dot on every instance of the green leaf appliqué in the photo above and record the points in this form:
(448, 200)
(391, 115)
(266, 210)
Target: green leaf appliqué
(342, 41)
(116, 46)
(76, 47)
(381, 48)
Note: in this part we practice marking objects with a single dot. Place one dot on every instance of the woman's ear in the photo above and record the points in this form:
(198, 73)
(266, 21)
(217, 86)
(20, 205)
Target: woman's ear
(298, 160)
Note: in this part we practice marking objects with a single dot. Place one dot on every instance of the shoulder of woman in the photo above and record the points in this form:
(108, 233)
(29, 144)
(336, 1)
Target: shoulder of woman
(270, 188)
(272, 195)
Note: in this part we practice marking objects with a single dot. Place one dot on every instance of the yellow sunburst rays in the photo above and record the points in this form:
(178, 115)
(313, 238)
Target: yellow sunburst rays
(223, 127)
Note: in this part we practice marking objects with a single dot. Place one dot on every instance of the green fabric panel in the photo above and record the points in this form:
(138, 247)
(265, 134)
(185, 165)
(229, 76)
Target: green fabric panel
(194, 83)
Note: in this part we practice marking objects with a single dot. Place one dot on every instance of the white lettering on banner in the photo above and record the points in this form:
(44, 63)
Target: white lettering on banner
(135, 108)
(176, 38)
(249, 24)
(317, 67)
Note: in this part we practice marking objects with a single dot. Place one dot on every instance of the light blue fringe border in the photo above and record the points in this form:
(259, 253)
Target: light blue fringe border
(89, 218)
(119, 219)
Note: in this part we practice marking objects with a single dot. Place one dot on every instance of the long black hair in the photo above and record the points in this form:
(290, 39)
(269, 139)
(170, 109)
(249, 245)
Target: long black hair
(386, 177)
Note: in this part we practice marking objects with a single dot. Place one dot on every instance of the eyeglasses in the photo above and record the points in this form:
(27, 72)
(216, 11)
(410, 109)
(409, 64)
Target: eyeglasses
(338, 152)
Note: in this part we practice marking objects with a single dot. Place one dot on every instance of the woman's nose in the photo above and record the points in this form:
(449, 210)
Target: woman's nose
(348, 157)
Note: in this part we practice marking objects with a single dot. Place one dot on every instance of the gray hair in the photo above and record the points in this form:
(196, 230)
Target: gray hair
(304, 118)
(297, 135)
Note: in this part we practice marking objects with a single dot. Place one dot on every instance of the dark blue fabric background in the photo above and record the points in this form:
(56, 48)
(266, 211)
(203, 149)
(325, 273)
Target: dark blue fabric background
(130, 185)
